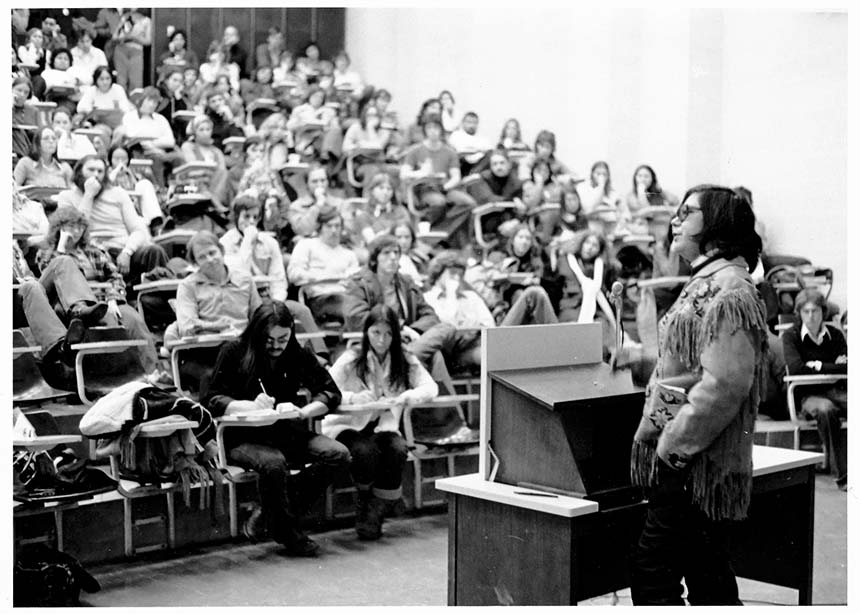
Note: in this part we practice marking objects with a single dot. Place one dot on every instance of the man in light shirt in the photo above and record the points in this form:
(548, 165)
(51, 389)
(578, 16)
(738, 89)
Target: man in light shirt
(322, 257)
(470, 146)
(86, 58)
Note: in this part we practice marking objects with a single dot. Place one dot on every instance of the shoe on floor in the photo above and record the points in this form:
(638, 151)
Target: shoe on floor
(302, 547)
(89, 314)
(368, 525)
(254, 527)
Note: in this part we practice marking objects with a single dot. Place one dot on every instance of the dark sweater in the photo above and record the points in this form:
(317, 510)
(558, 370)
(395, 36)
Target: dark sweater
(296, 369)
(798, 353)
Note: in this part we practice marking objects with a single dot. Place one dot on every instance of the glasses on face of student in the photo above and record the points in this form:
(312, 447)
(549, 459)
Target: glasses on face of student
(684, 211)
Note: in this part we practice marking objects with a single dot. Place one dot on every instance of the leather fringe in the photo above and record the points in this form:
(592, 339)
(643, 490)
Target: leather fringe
(643, 463)
(683, 338)
(720, 495)
(740, 308)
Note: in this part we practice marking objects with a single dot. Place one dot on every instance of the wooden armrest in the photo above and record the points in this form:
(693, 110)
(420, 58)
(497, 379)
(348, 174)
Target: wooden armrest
(492, 207)
(165, 428)
(44, 442)
(311, 126)
(25, 127)
(426, 179)
(107, 347)
(26, 349)
(545, 208)
(187, 115)
(160, 284)
(325, 280)
(170, 235)
(194, 166)
(139, 162)
(293, 167)
(818, 378)
(663, 282)
(45, 106)
(87, 132)
(204, 340)
(368, 152)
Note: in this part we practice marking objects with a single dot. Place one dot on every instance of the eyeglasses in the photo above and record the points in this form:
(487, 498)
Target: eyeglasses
(684, 211)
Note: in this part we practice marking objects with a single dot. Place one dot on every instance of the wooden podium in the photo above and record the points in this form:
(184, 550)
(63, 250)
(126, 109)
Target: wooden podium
(551, 516)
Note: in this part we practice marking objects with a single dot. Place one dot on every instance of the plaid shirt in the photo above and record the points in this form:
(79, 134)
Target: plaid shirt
(96, 265)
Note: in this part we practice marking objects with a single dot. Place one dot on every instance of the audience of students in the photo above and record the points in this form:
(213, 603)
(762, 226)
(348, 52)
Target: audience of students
(278, 143)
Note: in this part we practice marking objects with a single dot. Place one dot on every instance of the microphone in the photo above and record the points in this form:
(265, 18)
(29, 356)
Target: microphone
(615, 296)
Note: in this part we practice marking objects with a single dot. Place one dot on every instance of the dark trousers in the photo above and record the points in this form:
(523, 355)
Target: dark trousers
(827, 408)
(272, 451)
(378, 459)
(679, 541)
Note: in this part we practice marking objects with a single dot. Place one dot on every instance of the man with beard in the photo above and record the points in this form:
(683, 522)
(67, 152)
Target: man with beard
(263, 371)
(471, 147)
(115, 226)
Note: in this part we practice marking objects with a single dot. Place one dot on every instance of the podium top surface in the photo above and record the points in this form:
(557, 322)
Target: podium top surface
(472, 485)
(558, 388)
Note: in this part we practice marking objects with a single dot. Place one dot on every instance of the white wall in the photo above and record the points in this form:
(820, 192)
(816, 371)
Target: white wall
(722, 96)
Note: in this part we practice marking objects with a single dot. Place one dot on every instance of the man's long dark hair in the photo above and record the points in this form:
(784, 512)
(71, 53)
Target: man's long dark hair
(253, 338)
(398, 375)
(78, 174)
(728, 223)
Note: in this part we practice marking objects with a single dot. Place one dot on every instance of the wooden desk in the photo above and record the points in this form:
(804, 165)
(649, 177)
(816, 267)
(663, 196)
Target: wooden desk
(509, 548)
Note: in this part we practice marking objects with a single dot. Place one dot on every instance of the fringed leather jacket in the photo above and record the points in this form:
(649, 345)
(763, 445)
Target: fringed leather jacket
(712, 337)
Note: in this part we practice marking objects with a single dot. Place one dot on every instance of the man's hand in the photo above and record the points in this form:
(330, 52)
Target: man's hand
(113, 309)
(815, 365)
(249, 234)
(92, 187)
(123, 262)
(264, 401)
(842, 360)
(409, 334)
(319, 195)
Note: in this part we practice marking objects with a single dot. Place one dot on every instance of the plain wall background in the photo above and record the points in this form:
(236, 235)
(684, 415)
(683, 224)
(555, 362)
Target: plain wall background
(757, 98)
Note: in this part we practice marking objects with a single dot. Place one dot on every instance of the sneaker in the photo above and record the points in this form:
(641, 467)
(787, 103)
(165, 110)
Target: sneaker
(89, 314)
(302, 547)
(255, 526)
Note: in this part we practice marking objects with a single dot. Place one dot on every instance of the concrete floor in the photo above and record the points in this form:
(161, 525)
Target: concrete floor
(408, 567)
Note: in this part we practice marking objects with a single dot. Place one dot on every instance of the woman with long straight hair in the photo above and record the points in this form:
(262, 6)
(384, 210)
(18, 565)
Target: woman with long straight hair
(379, 370)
